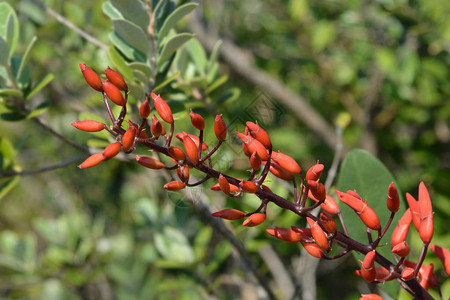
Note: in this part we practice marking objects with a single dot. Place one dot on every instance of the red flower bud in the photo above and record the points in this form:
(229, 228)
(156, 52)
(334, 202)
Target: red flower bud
(285, 234)
(162, 108)
(444, 256)
(174, 186)
(144, 109)
(426, 230)
(116, 79)
(89, 125)
(426, 210)
(393, 200)
(91, 78)
(149, 162)
(113, 93)
(370, 297)
(260, 134)
(224, 185)
(183, 174)
(365, 213)
(255, 161)
(319, 193)
(427, 278)
(401, 230)
(92, 161)
(286, 162)
(368, 271)
(248, 186)
(415, 210)
(254, 220)
(401, 249)
(229, 214)
(279, 172)
(111, 150)
(253, 145)
(313, 249)
(191, 149)
(157, 128)
(314, 172)
(329, 205)
(328, 223)
(233, 188)
(128, 139)
(177, 153)
(320, 237)
(197, 121)
(408, 274)
(220, 128)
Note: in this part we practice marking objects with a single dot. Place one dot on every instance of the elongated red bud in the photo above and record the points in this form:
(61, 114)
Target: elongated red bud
(253, 145)
(355, 203)
(329, 205)
(220, 128)
(401, 230)
(369, 217)
(286, 162)
(255, 161)
(444, 256)
(197, 121)
(92, 161)
(89, 125)
(401, 249)
(177, 153)
(113, 93)
(319, 193)
(287, 235)
(415, 210)
(368, 268)
(314, 172)
(260, 134)
(162, 108)
(313, 249)
(254, 220)
(354, 194)
(320, 237)
(408, 274)
(370, 297)
(328, 223)
(191, 149)
(183, 174)
(149, 162)
(426, 230)
(174, 186)
(157, 128)
(91, 78)
(427, 278)
(197, 141)
(248, 186)
(393, 200)
(111, 150)
(224, 185)
(229, 214)
(116, 79)
(425, 207)
(144, 109)
(279, 172)
(128, 139)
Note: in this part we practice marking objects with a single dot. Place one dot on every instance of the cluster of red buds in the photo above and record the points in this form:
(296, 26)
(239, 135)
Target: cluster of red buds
(321, 234)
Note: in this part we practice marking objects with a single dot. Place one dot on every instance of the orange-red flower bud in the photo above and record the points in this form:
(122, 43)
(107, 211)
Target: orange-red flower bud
(116, 79)
(328, 223)
(92, 161)
(427, 278)
(113, 93)
(248, 186)
(177, 153)
(162, 108)
(319, 192)
(253, 145)
(149, 162)
(365, 213)
(408, 274)
(220, 128)
(370, 297)
(368, 271)
(426, 230)
(89, 125)
(286, 162)
(426, 210)
(191, 149)
(224, 185)
(111, 150)
(229, 214)
(233, 188)
(314, 172)
(313, 249)
(174, 186)
(393, 200)
(183, 174)
(91, 78)
(285, 234)
(401, 249)
(415, 210)
(329, 205)
(444, 256)
(128, 139)
(144, 109)
(197, 120)
(260, 134)
(401, 230)
(255, 161)
(320, 237)
(279, 172)
(254, 220)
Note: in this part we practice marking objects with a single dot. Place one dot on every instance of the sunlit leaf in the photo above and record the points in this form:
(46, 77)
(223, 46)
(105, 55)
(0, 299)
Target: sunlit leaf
(40, 109)
(40, 85)
(4, 52)
(119, 64)
(26, 57)
(172, 45)
(175, 17)
(127, 50)
(11, 92)
(9, 27)
(133, 11)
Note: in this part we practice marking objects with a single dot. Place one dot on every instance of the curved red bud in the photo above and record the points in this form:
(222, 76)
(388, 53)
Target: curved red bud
(368, 271)
(191, 149)
(144, 109)
(220, 128)
(149, 162)
(279, 172)
(89, 125)
(415, 210)
(174, 186)
(111, 150)
(255, 161)
(393, 199)
(113, 93)
(286, 162)
(401, 249)
(370, 297)
(116, 79)
(248, 186)
(157, 128)
(313, 249)
(260, 134)
(320, 237)
(91, 78)
(197, 120)
(176, 153)
(426, 230)
(314, 172)
(162, 108)
(229, 214)
(92, 161)
(254, 220)
(425, 207)
(444, 256)
(224, 185)
(128, 139)
(328, 223)
(253, 145)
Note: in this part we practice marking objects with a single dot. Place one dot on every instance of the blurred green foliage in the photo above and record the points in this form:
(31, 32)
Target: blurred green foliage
(111, 232)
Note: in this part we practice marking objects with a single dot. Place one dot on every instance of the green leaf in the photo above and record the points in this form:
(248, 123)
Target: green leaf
(221, 80)
(172, 45)
(9, 27)
(11, 92)
(26, 57)
(144, 68)
(128, 51)
(214, 56)
(111, 11)
(160, 86)
(8, 185)
(4, 51)
(229, 96)
(120, 64)
(175, 17)
(133, 11)
(40, 109)
(366, 175)
(197, 54)
(132, 35)
(173, 245)
(40, 85)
